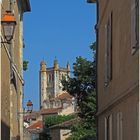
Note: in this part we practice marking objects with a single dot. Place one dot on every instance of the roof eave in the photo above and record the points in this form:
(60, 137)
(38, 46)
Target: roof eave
(91, 1)
(26, 5)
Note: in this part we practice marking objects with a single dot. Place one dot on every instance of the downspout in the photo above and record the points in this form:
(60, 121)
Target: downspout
(97, 20)
(0, 71)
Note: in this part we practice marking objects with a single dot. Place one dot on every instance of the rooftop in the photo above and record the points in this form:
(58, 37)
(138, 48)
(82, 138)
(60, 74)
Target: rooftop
(50, 111)
(37, 125)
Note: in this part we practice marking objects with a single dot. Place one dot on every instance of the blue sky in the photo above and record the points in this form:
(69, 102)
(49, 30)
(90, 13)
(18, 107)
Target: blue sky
(61, 28)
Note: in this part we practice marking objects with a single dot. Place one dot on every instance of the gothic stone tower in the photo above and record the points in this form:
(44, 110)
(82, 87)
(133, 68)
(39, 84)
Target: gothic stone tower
(50, 81)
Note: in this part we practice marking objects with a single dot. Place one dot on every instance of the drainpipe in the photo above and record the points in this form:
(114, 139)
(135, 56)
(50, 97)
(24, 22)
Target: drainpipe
(96, 86)
(97, 20)
(0, 71)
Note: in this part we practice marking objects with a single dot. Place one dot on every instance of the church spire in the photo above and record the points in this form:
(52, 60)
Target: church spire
(56, 65)
(43, 66)
(68, 66)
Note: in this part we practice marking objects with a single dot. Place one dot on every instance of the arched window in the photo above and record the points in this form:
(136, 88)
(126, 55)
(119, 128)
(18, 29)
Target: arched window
(49, 78)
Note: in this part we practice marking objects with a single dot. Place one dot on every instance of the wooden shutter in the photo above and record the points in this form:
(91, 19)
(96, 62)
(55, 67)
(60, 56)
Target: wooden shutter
(110, 127)
(106, 79)
(119, 126)
(134, 25)
(105, 128)
(108, 50)
(110, 47)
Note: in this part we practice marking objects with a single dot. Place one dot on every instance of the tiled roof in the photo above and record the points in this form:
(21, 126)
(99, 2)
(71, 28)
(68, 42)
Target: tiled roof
(37, 125)
(64, 95)
(50, 111)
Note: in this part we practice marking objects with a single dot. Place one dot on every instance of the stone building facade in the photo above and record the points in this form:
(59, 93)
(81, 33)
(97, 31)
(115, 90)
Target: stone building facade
(11, 73)
(50, 82)
(118, 69)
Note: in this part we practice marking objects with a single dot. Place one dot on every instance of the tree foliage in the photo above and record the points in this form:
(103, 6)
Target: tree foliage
(82, 87)
(25, 65)
(57, 119)
(53, 120)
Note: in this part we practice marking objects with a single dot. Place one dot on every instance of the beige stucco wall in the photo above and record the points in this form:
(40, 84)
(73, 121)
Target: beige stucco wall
(129, 109)
(122, 92)
(11, 98)
(65, 133)
(68, 110)
(59, 134)
(125, 65)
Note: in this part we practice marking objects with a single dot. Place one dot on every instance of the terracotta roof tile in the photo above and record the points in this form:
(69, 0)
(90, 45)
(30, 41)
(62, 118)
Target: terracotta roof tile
(50, 111)
(37, 125)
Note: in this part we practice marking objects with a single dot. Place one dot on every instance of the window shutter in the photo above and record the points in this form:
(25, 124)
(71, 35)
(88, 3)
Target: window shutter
(106, 80)
(110, 127)
(134, 25)
(119, 126)
(110, 47)
(108, 50)
(137, 22)
(105, 128)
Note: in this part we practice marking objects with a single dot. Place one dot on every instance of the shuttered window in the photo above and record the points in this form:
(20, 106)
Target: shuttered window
(108, 50)
(134, 25)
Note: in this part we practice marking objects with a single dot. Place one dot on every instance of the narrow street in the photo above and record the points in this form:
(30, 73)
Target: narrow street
(69, 70)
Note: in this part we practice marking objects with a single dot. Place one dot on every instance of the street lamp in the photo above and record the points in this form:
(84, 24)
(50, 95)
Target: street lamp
(29, 106)
(8, 23)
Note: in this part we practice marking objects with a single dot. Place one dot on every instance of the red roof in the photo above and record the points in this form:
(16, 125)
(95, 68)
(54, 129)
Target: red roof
(36, 125)
(50, 111)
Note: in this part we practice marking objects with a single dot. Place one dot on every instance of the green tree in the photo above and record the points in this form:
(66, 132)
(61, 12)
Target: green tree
(82, 87)
(53, 120)
(25, 65)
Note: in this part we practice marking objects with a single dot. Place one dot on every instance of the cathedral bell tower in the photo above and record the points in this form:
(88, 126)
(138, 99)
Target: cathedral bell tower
(56, 77)
(43, 83)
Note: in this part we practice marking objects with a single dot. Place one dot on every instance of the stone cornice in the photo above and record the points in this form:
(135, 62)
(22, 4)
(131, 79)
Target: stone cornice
(127, 93)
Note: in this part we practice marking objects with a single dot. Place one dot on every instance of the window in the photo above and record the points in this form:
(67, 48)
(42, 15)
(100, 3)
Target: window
(49, 78)
(134, 25)
(108, 127)
(52, 77)
(119, 126)
(108, 50)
